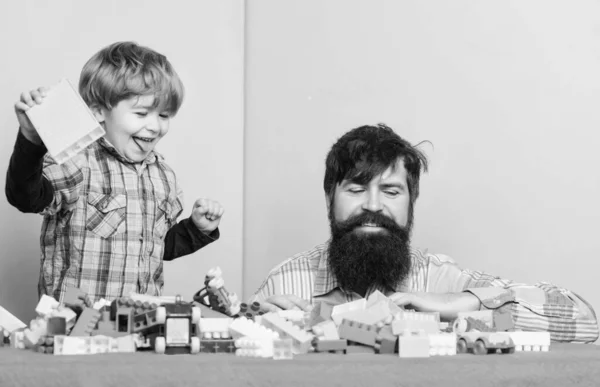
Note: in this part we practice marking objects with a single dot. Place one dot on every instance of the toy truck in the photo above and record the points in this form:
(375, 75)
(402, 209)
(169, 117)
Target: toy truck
(482, 343)
(177, 332)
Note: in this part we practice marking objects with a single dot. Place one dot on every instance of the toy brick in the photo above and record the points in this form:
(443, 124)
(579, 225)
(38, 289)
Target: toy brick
(250, 311)
(360, 333)
(442, 344)
(57, 325)
(241, 327)
(9, 322)
(339, 310)
(4, 337)
(330, 345)
(146, 322)
(386, 342)
(64, 122)
(376, 313)
(359, 349)
(106, 327)
(326, 330)
(321, 312)
(75, 299)
(530, 341)
(283, 349)
(217, 346)
(17, 339)
(430, 327)
(249, 347)
(46, 305)
(286, 329)
(37, 329)
(410, 345)
(503, 320)
(125, 344)
(86, 322)
(215, 327)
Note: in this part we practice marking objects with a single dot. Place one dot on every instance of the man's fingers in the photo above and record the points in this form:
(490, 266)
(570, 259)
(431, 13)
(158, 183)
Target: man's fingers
(289, 301)
(267, 307)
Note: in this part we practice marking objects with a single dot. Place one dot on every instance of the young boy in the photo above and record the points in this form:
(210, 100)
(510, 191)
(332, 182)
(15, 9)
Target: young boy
(110, 212)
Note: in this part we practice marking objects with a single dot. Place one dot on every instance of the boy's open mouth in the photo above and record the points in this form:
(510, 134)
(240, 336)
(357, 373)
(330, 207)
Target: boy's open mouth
(144, 143)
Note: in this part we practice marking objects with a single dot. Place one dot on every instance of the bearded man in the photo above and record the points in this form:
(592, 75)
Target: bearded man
(371, 186)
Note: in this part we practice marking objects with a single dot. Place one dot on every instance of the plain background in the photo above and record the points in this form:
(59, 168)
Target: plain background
(507, 92)
(43, 41)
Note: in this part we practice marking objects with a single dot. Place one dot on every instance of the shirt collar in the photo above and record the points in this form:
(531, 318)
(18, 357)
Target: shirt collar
(325, 281)
(152, 157)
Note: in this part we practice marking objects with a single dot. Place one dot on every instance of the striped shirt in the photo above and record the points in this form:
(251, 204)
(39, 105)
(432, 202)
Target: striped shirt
(539, 307)
(105, 228)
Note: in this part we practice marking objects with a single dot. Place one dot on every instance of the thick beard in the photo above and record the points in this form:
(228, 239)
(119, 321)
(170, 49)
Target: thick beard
(360, 260)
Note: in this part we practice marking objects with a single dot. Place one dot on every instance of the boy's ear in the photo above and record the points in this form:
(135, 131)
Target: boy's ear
(98, 113)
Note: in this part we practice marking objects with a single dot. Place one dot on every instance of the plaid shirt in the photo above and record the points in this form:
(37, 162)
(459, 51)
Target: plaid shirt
(541, 307)
(105, 228)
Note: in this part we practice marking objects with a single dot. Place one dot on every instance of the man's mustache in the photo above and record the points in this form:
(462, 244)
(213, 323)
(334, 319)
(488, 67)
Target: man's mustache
(372, 218)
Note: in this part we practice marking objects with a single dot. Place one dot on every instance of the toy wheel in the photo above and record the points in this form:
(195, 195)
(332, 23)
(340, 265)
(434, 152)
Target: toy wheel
(508, 350)
(161, 315)
(195, 345)
(479, 348)
(195, 315)
(160, 345)
(461, 346)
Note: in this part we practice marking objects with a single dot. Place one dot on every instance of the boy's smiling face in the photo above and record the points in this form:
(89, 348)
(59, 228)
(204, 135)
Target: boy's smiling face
(134, 126)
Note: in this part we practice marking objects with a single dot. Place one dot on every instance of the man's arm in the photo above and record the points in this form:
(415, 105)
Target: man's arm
(185, 238)
(26, 189)
(540, 307)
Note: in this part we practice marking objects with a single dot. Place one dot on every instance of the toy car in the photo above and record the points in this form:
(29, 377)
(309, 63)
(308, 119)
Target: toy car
(177, 332)
(481, 343)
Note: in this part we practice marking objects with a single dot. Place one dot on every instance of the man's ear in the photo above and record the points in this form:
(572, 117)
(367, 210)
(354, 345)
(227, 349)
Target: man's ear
(98, 113)
(328, 202)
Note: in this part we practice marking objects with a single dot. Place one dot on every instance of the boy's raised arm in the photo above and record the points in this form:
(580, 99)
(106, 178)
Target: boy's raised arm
(185, 238)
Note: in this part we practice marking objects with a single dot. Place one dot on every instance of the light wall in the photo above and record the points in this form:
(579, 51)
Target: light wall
(43, 41)
(508, 92)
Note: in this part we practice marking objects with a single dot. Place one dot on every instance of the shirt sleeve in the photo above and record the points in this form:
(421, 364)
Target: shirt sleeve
(539, 307)
(26, 189)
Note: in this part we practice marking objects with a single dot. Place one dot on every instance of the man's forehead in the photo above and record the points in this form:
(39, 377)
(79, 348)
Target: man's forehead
(395, 173)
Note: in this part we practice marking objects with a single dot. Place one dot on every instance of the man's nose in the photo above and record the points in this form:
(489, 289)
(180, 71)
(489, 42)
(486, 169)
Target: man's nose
(373, 202)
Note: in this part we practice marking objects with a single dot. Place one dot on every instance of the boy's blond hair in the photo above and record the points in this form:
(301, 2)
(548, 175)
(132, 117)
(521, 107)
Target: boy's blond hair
(124, 70)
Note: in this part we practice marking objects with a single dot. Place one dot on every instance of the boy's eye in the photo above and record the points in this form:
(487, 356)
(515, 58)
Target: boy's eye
(356, 189)
(165, 115)
(141, 114)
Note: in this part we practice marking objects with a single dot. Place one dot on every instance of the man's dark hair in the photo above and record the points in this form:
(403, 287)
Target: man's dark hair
(366, 152)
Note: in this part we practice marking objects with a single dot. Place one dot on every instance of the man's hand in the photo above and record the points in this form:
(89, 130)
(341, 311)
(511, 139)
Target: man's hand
(284, 302)
(206, 215)
(447, 304)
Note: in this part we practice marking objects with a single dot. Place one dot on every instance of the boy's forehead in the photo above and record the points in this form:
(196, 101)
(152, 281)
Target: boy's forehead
(146, 101)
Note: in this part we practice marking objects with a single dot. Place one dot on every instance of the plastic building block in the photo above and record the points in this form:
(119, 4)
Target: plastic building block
(125, 344)
(17, 339)
(158, 300)
(148, 322)
(86, 323)
(215, 328)
(429, 326)
(386, 341)
(481, 343)
(377, 296)
(301, 339)
(106, 327)
(326, 330)
(68, 314)
(249, 347)
(241, 327)
(56, 326)
(442, 344)
(339, 310)
(530, 341)
(37, 328)
(378, 312)
(4, 337)
(321, 312)
(250, 311)
(46, 306)
(9, 322)
(358, 349)
(46, 344)
(64, 122)
(330, 345)
(75, 298)
(218, 346)
(503, 320)
(359, 333)
(283, 349)
(413, 345)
